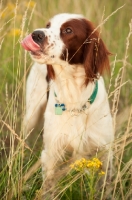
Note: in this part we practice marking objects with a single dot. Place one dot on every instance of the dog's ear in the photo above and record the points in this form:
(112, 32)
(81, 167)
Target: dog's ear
(96, 55)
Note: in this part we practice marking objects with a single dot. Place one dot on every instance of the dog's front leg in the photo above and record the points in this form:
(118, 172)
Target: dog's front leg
(48, 169)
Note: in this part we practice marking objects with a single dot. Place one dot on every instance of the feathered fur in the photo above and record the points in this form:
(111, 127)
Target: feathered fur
(73, 55)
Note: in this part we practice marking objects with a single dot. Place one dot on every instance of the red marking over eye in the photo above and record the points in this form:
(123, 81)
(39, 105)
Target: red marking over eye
(93, 55)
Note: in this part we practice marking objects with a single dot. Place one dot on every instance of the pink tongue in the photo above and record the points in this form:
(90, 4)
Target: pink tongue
(29, 44)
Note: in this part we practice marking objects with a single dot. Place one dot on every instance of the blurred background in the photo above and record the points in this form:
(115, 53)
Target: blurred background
(20, 17)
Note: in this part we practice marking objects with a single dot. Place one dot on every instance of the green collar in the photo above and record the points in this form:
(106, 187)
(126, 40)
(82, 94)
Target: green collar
(94, 94)
(61, 107)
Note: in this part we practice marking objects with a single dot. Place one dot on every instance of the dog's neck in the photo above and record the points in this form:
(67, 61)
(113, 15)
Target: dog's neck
(70, 86)
(69, 73)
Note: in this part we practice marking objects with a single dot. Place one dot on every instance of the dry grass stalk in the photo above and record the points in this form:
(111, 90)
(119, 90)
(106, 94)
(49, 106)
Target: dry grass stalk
(119, 172)
(118, 82)
(16, 136)
(11, 113)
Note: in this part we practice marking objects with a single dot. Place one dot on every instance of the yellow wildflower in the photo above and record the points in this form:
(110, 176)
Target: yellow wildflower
(9, 10)
(72, 166)
(11, 6)
(102, 173)
(82, 164)
(15, 32)
(30, 4)
(79, 165)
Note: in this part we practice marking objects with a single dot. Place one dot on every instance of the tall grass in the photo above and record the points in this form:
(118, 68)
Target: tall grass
(20, 171)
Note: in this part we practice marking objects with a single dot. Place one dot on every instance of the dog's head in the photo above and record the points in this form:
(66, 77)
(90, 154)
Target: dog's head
(69, 38)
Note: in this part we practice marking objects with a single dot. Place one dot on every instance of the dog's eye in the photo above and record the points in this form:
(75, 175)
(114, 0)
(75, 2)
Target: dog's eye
(67, 31)
(48, 25)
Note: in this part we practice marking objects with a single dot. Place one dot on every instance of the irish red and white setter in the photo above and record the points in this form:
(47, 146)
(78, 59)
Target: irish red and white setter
(77, 118)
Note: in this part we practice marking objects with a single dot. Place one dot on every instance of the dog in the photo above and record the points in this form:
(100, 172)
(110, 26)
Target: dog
(77, 117)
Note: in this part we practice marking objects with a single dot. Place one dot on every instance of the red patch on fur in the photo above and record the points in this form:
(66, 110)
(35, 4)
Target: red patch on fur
(84, 46)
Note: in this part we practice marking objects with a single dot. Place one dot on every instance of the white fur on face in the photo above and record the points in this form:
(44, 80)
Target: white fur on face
(54, 45)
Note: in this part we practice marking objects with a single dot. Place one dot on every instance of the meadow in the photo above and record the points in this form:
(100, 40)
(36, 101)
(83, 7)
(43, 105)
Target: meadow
(20, 170)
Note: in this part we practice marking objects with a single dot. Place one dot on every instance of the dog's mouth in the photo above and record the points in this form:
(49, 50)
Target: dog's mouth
(29, 45)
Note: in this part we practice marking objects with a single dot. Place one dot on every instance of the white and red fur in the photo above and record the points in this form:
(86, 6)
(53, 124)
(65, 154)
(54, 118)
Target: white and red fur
(73, 55)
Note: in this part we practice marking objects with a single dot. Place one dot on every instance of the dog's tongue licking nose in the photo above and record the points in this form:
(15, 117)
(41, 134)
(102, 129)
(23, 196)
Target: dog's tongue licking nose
(29, 44)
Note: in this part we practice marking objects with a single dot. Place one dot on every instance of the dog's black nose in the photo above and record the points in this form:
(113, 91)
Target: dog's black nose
(38, 36)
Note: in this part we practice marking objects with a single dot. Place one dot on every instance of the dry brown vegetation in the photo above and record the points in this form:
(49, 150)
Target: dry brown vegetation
(20, 171)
